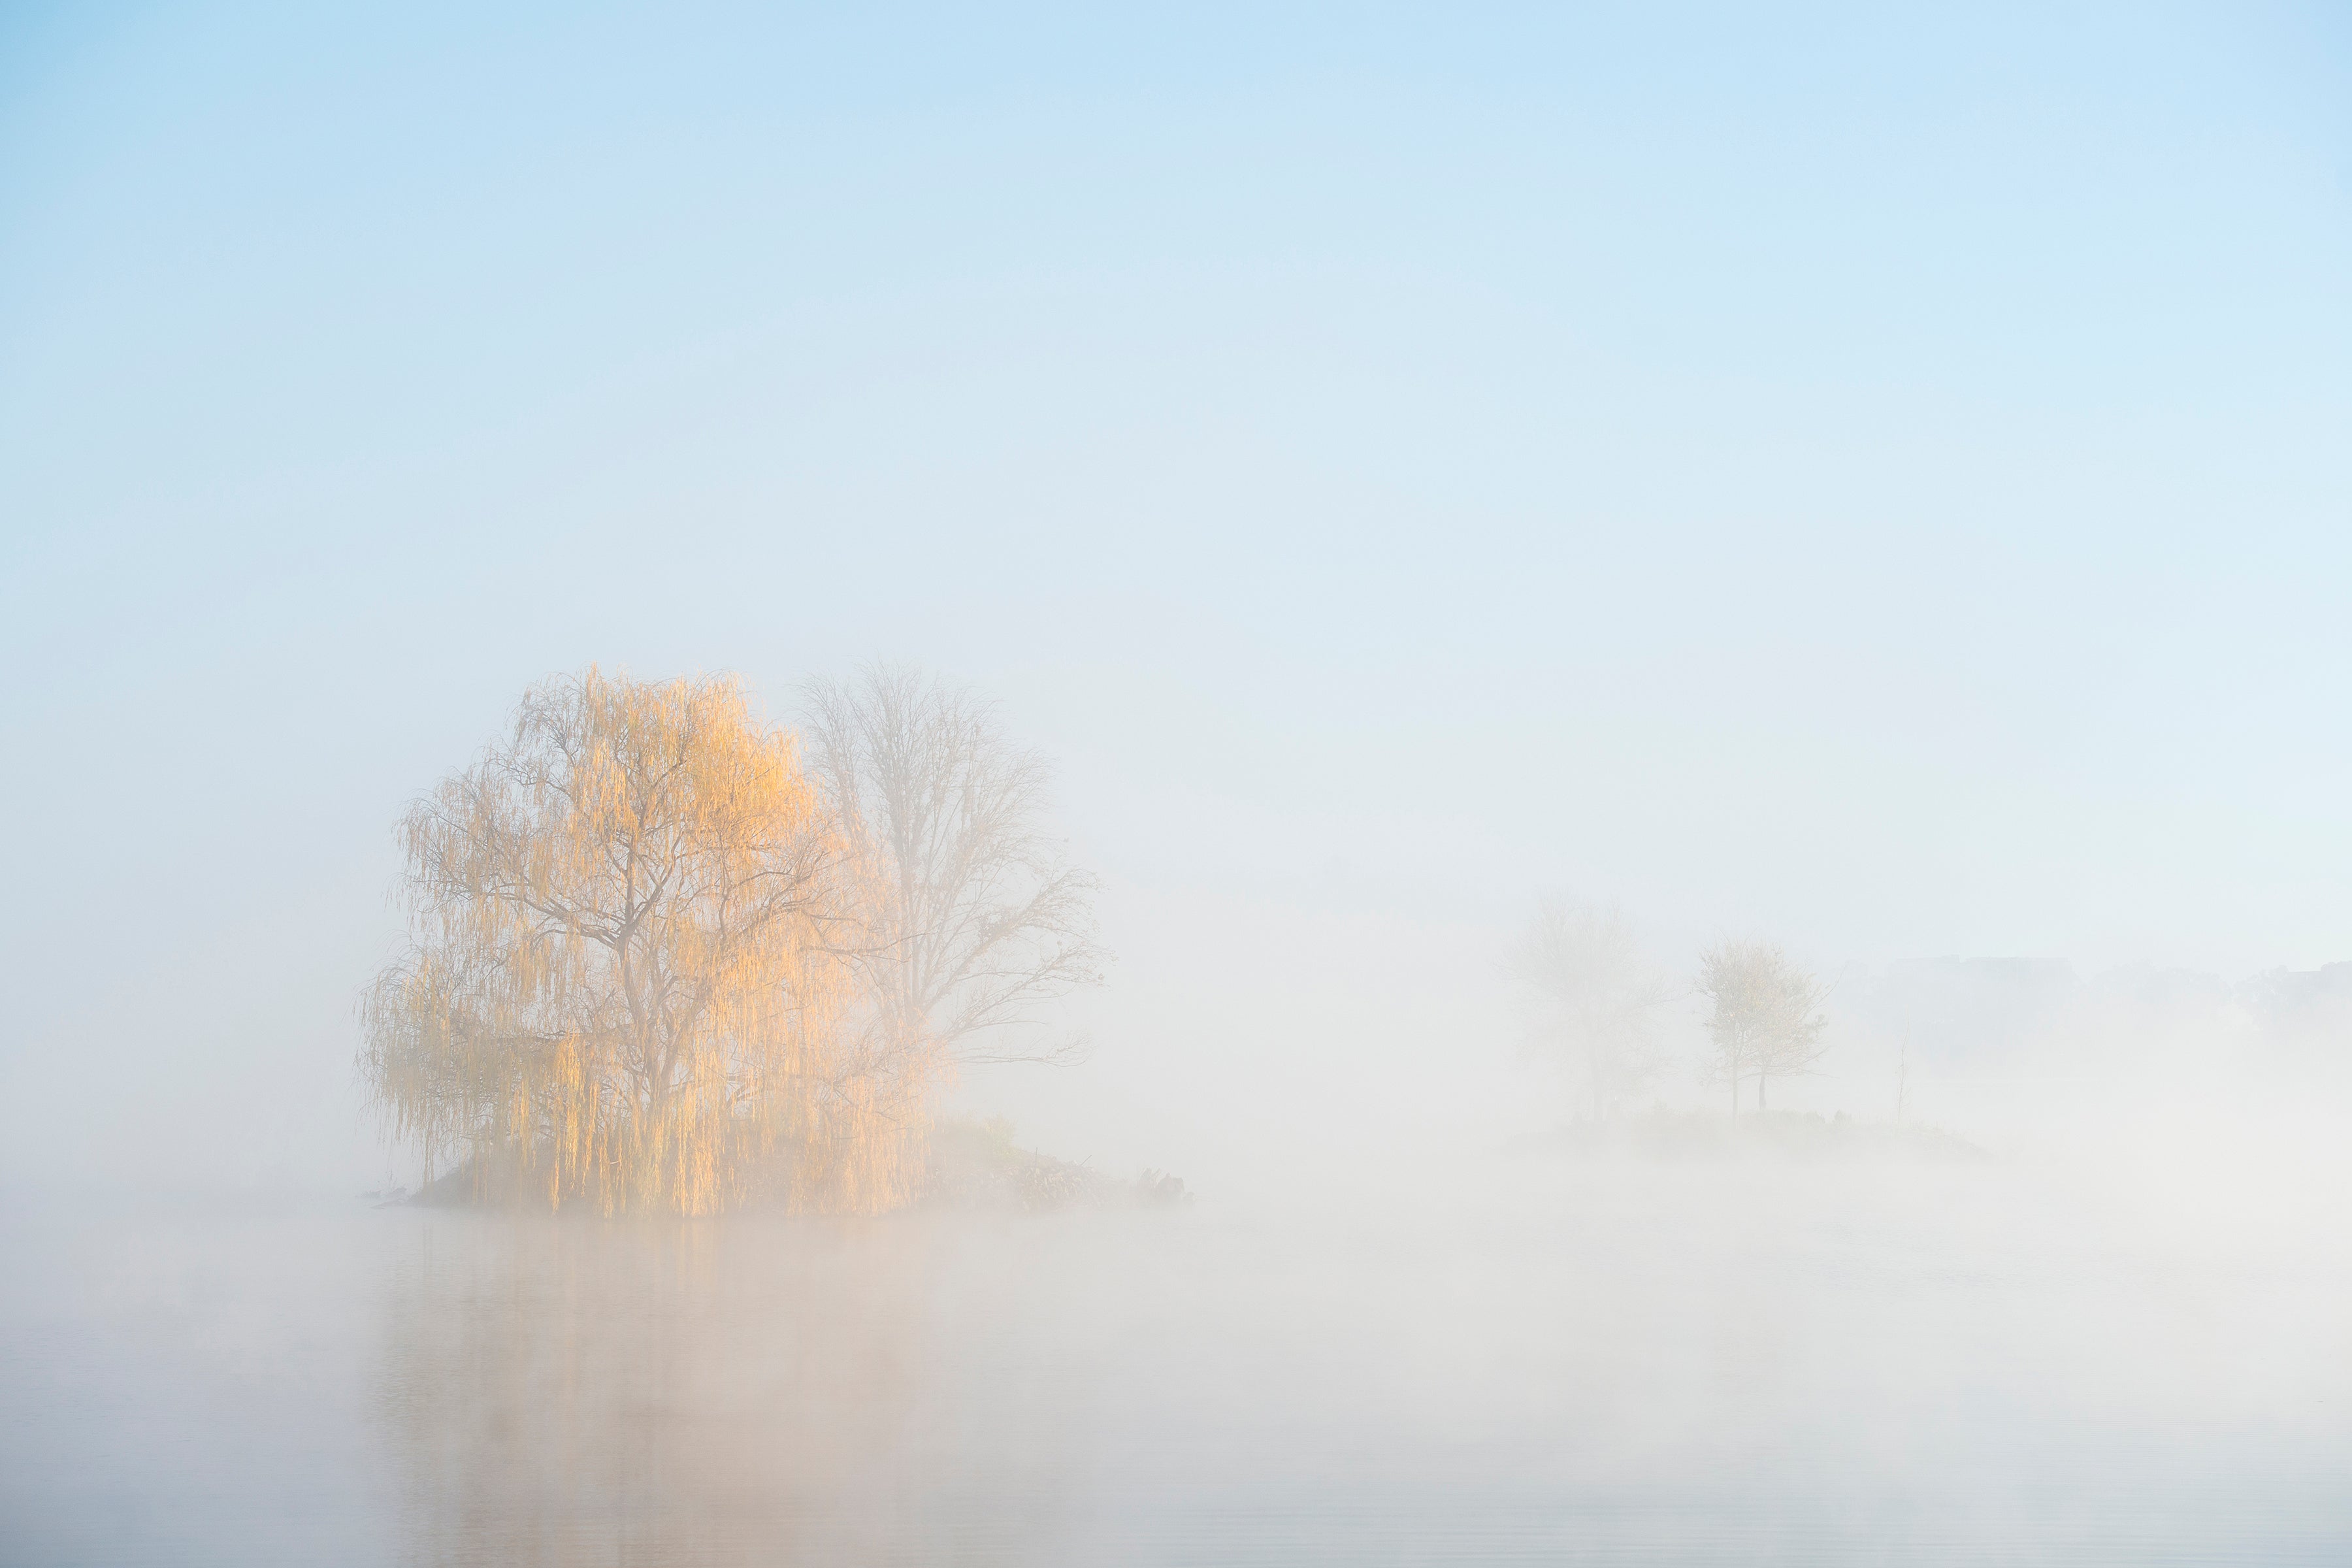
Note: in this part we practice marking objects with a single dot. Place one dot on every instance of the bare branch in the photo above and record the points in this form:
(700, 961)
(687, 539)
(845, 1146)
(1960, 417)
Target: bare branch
(976, 924)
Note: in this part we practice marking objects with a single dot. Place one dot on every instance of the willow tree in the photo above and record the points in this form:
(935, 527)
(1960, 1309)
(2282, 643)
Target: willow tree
(1765, 1015)
(625, 983)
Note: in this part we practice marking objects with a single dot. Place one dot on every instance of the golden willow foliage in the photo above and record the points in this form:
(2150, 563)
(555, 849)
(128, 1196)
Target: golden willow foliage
(631, 975)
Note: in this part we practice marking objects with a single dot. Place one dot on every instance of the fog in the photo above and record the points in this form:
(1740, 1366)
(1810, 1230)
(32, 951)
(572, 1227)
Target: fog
(2083, 1305)
(1866, 489)
(1608, 1359)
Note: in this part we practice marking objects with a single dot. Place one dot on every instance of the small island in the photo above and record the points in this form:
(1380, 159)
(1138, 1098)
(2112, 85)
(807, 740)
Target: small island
(665, 956)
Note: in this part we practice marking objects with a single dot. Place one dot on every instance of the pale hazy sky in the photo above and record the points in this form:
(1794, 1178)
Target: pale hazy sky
(1886, 483)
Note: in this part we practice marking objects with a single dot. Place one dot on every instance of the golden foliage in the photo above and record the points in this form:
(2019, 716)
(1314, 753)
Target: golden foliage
(630, 981)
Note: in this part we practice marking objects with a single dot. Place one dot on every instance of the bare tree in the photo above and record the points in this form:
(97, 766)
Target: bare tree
(621, 985)
(1764, 1018)
(1592, 1000)
(978, 923)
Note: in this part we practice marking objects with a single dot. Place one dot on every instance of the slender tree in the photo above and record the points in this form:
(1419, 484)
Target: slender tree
(1765, 1016)
(1590, 999)
(975, 922)
(622, 984)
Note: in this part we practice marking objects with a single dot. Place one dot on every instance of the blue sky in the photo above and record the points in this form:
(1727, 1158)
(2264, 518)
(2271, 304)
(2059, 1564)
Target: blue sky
(1879, 479)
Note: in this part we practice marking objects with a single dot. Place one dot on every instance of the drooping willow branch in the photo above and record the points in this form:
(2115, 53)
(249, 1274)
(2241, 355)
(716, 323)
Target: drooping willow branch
(631, 973)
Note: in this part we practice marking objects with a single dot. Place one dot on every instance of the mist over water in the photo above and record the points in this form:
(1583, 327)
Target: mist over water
(2040, 1264)
(1732, 1354)
(1476, 594)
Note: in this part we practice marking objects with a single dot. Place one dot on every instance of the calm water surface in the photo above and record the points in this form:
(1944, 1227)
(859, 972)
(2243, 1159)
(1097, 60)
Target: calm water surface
(1569, 1363)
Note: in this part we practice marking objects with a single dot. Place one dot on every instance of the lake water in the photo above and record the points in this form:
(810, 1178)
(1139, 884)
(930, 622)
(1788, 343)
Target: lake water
(1557, 1362)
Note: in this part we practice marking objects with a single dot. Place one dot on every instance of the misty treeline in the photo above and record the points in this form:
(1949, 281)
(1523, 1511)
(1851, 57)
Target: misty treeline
(1593, 1002)
(665, 955)
(2138, 1022)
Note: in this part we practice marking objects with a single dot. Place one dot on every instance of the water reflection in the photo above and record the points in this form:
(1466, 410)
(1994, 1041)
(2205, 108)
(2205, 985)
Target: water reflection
(741, 1391)
(1598, 1364)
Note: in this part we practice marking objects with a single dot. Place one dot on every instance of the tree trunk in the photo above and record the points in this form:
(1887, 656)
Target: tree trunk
(1761, 1080)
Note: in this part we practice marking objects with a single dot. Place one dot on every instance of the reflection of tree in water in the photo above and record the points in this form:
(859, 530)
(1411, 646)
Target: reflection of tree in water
(564, 1393)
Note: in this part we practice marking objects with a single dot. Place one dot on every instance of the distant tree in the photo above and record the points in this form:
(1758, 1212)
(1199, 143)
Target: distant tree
(623, 983)
(1590, 1000)
(1765, 1015)
(976, 923)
